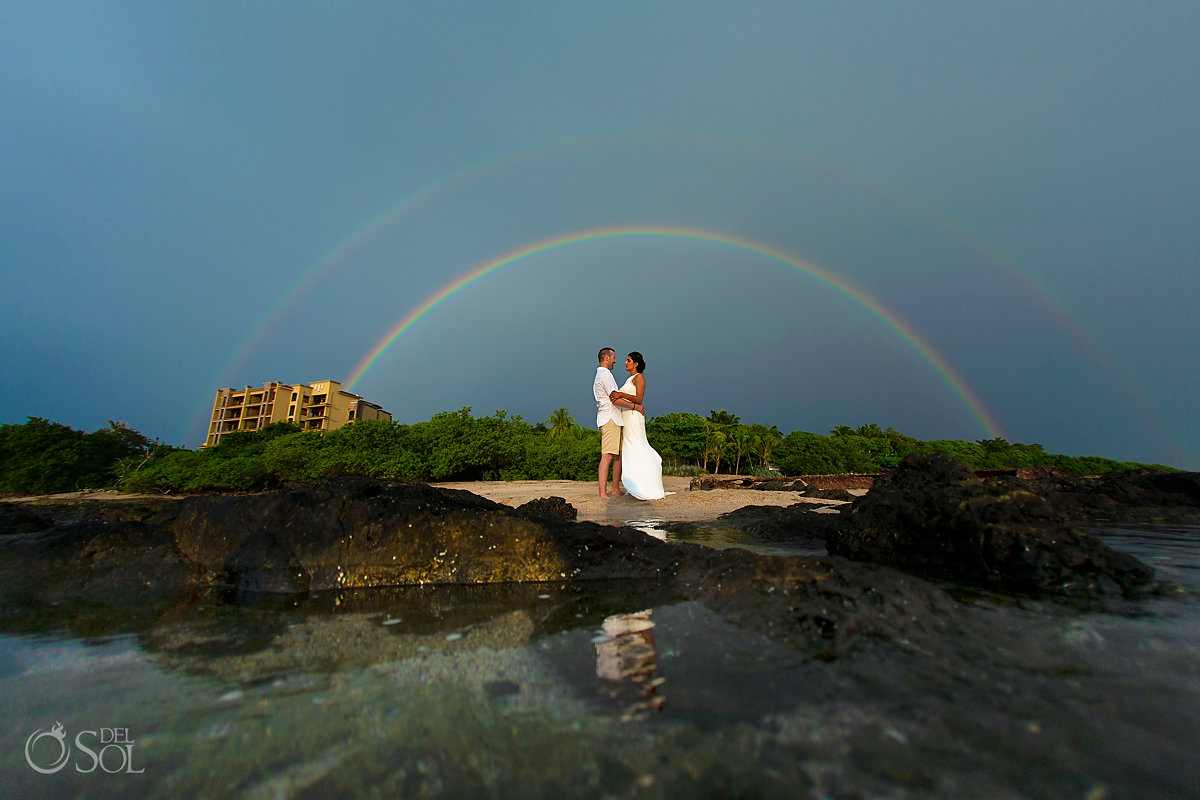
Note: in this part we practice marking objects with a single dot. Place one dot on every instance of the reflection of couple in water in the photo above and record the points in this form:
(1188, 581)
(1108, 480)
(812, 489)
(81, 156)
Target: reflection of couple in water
(626, 653)
(621, 418)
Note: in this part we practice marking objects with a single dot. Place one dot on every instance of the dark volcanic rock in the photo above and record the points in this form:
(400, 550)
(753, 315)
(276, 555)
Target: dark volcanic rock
(354, 533)
(335, 534)
(358, 532)
(933, 516)
(1135, 496)
(549, 508)
(119, 563)
(780, 485)
(795, 523)
(20, 518)
(844, 495)
(27, 517)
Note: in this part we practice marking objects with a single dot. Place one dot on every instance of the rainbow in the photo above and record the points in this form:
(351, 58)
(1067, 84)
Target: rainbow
(923, 348)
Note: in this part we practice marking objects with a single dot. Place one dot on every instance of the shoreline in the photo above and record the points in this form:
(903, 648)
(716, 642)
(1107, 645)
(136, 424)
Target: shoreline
(681, 505)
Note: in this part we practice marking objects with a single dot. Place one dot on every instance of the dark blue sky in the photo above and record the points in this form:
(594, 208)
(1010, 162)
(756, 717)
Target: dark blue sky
(1018, 183)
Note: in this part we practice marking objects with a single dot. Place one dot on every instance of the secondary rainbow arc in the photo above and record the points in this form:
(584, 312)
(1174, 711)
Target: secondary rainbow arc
(339, 255)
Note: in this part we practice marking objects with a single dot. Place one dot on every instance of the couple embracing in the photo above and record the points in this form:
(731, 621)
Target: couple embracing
(621, 418)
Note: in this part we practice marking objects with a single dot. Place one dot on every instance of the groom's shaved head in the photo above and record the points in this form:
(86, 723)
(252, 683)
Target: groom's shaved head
(604, 350)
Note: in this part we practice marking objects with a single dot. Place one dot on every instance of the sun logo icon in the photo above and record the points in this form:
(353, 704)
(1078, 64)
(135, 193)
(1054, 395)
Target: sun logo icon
(59, 734)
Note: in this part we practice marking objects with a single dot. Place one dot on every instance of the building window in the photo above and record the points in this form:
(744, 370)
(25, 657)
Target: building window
(293, 397)
(352, 413)
(292, 410)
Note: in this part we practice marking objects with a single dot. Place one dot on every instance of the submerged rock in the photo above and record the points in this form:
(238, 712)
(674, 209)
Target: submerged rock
(820, 605)
(933, 516)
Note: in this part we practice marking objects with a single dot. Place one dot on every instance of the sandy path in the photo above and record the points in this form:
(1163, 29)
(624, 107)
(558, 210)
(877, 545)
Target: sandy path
(682, 506)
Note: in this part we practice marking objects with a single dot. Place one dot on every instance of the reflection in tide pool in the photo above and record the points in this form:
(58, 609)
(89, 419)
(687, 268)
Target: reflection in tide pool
(625, 653)
(586, 690)
(721, 535)
(650, 526)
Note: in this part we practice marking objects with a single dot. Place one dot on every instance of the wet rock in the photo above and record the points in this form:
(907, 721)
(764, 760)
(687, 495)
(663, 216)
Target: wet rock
(20, 518)
(933, 516)
(855, 480)
(800, 522)
(84, 509)
(550, 508)
(781, 485)
(708, 482)
(357, 532)
(844, 495)
(117, 563)
(334, 534)
(1133, 496)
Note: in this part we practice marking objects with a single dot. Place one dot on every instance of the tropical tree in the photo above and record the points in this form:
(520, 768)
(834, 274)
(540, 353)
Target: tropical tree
(716, 444)
(723, 418)
(41, 456)
(679, 436)
(742, 443)
(765, 441)
(560, 422)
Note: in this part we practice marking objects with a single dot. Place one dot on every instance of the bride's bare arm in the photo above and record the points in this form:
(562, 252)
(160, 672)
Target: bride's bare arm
(639, 383)
(626, 400)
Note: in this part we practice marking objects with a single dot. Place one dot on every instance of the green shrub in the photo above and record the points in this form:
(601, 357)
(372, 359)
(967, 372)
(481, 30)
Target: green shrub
(683, 470)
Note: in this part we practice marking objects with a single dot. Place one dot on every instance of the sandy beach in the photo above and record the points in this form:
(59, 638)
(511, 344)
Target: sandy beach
(681, 506)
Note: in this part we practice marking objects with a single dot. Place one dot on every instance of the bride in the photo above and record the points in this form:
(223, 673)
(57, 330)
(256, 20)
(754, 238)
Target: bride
(641, 466)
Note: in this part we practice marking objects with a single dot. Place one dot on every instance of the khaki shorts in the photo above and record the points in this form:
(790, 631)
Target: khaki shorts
(610, 439)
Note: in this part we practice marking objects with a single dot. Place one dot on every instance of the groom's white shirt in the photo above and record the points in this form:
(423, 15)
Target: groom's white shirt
(605, 410)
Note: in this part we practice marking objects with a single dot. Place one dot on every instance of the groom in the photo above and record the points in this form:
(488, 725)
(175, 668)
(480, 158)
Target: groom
(608, 420)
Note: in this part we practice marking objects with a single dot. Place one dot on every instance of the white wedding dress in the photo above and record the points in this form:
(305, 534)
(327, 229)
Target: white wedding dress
(641, 465)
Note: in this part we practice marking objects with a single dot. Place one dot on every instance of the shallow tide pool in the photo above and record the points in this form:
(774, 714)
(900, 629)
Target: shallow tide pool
(591, 690)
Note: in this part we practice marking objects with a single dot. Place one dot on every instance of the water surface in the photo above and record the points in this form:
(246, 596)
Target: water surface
(586, 690)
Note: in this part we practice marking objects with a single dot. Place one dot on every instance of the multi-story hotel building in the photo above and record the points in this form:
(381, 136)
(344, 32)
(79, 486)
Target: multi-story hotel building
(321, 406)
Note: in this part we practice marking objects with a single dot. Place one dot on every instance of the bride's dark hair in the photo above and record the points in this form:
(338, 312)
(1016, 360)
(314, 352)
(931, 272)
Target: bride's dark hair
(637, 359)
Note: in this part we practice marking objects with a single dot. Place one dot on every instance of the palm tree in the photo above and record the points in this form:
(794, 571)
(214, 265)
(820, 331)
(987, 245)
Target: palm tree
(718, 445)
(842, 430)
(743, 442)
(714, 440)
(723, 417)
(560, 422)
(765, 441)
(871, 431)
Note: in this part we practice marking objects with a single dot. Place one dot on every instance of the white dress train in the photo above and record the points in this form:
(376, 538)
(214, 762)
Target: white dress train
(641, 465)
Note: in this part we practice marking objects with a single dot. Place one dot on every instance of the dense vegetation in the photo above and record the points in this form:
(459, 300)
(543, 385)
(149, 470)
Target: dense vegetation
(42, 456)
